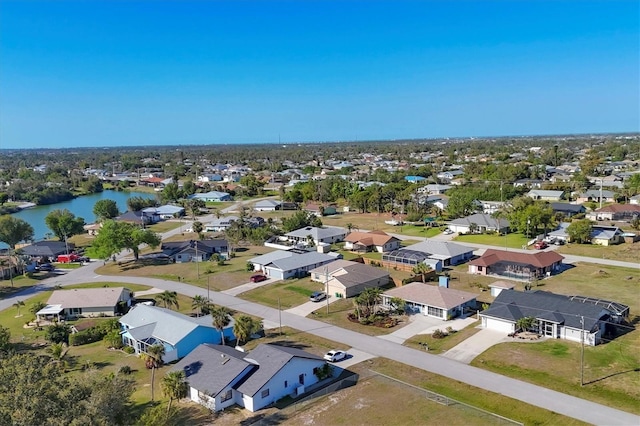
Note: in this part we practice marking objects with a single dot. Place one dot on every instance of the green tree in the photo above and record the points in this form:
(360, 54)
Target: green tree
(421, 269)
(57, 333)
(113, 339)
(525, 323)
(105, 209)
(188, 188)
(197, 228)
(300, 219)
(244, 327)
(168, 299)
(36, 307)
(200, 303)
(174, 385)
(138, 203)
(4, 197)
(115, 236)
(220, 318)
(171, 193)
(64, 224)
(398, 305)
(5, 339)
(460, 204)
(580, 231)
(13, 230)
(367, 302)
(153, 360)
(18, 305)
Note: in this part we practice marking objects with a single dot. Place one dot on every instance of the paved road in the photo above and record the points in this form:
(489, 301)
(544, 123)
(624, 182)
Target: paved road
(535, 395)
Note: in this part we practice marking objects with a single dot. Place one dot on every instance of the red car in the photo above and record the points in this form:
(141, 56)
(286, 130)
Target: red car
(257, 278)
(540, 245)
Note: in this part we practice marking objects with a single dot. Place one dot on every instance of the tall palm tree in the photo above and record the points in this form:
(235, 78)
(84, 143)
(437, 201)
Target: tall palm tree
(220, 317)
(168, 298)
(154, 360)
(200, 303)
(18, 305)
(174, 385)
(244, 327)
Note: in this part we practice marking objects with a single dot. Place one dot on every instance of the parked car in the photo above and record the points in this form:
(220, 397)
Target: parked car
(559, 242)
(448, 231)
(335, 356)
(539, 245)
(317, 296)
(257, 278)
(46, 267)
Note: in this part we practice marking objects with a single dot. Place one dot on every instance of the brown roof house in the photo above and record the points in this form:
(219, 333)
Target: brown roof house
(615, 212)
(514, 265)
(344, 278)
(434, 301)
(85, 302)
(378, 241)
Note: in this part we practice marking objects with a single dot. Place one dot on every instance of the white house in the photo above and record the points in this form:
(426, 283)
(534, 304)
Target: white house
(286, 264)
(86, 302)
(220, 224)
(483, 223)
(267, 205)
(211, 196)
(434, 301)
(327, 234)
(546, 195)
(220, 376)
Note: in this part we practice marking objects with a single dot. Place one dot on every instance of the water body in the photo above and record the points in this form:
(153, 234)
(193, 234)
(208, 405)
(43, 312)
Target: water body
(79, 206)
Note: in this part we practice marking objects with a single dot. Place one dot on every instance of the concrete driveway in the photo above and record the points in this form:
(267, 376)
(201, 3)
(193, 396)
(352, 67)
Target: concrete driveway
(467, 350)
(422, 324)
(354, 356)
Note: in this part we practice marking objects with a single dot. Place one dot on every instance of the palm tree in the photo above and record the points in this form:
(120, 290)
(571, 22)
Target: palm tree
(200, 303)
(220, 317)
(154, 360)
(37, 306)
(349, 226)
(174, 385)
(244, 327)
(421, 269)
(525, 323)
(168, 298)
(58, 352)
(18, 305)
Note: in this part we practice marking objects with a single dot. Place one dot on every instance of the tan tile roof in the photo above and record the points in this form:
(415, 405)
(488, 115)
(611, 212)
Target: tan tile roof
(377, 238)
(617, 208)
(426, 294)
(86, 297)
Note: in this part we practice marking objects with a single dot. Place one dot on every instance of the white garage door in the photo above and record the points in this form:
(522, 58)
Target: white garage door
(499, 325)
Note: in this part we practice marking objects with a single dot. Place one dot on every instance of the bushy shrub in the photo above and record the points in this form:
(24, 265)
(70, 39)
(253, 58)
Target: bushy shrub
(129, 350)
(125, 369)
(439, 334)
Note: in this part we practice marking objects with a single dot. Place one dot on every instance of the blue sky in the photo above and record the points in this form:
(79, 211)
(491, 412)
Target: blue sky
(90, 73)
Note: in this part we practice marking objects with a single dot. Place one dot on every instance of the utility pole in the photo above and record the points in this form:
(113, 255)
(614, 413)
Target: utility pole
(582, 351)
(279, 317)
(197, 260)
(326, 283)
(208, 276)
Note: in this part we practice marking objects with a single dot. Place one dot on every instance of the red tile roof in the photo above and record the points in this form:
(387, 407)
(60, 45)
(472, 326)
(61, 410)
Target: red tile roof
(541, 259)
(618, 208)
(378, 238)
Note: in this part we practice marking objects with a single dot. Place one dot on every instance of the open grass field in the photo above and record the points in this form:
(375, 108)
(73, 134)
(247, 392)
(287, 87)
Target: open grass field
(438, 346)
(289, 293)
(164, 226)
(612, 370)
(510, 240)
(231, 274)
(374, 221)
(625, 252)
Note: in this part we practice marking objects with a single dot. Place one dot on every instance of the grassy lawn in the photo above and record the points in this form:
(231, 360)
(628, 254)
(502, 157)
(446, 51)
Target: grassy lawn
(298, 339)
(338, 316)
(20, 282)
(437, 346)
(219, 278)
(373, 221)
(612, 371)
(623, 252)
(511, 240)
(479, 398)
(164, 226)
(290, 293)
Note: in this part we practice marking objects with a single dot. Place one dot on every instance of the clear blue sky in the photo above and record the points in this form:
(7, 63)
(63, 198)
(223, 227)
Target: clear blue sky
(113, 73)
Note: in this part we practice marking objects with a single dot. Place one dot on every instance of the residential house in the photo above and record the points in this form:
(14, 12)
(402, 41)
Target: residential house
(546, 195)
(450, 175)
(479, 223)
(211, 196)
(615, 212)
(529, 183)
(414, 179)
(606, 235)
(635, 200)
(596, 196)
(433, 253)
(430, 300)
(319, 209)
(516, 265)
(490, 207)
(195, 250)
(434, 189)
(376, 241)
(92, 228)
(166, 211)
(556, 316)
(86, 302)
(267, 205)
(345, 278)
(220, 224)
(221, 376)
(47, 249)
(326, 234)
(295, 264)
(497, 287)
(140, 217)
(568, 210)
(144, 326)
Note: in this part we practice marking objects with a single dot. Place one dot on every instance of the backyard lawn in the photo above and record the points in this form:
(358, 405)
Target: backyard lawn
(288, 293)
(626, 252)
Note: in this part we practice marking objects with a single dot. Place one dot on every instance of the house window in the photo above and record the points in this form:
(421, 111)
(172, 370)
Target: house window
(226, 396)
(286, 384)
(479, 268)
(301, 379)
(265, 393)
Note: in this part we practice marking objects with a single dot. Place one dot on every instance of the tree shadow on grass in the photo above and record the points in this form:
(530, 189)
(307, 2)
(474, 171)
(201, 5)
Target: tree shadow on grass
(608, 376)
(141, 263)
(290, 344)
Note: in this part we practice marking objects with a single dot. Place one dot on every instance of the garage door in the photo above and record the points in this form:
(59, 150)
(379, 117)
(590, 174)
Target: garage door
(499, 325)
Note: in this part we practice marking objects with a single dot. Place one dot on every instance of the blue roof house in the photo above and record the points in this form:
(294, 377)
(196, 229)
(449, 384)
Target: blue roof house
(211, 196)
(145, 326)
(414, 179)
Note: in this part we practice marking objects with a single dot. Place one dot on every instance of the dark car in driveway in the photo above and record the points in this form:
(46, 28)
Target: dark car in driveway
(258, 278)
(46, 267)
(317, 296)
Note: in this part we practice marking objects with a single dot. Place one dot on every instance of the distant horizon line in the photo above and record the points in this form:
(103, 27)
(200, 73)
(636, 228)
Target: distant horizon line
(279, 142)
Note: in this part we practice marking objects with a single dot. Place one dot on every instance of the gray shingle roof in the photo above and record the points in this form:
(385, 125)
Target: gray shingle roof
(271, 257)
(482, 220)
(440, 248)
(317, 233)
(513, 305)
(301, 260)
